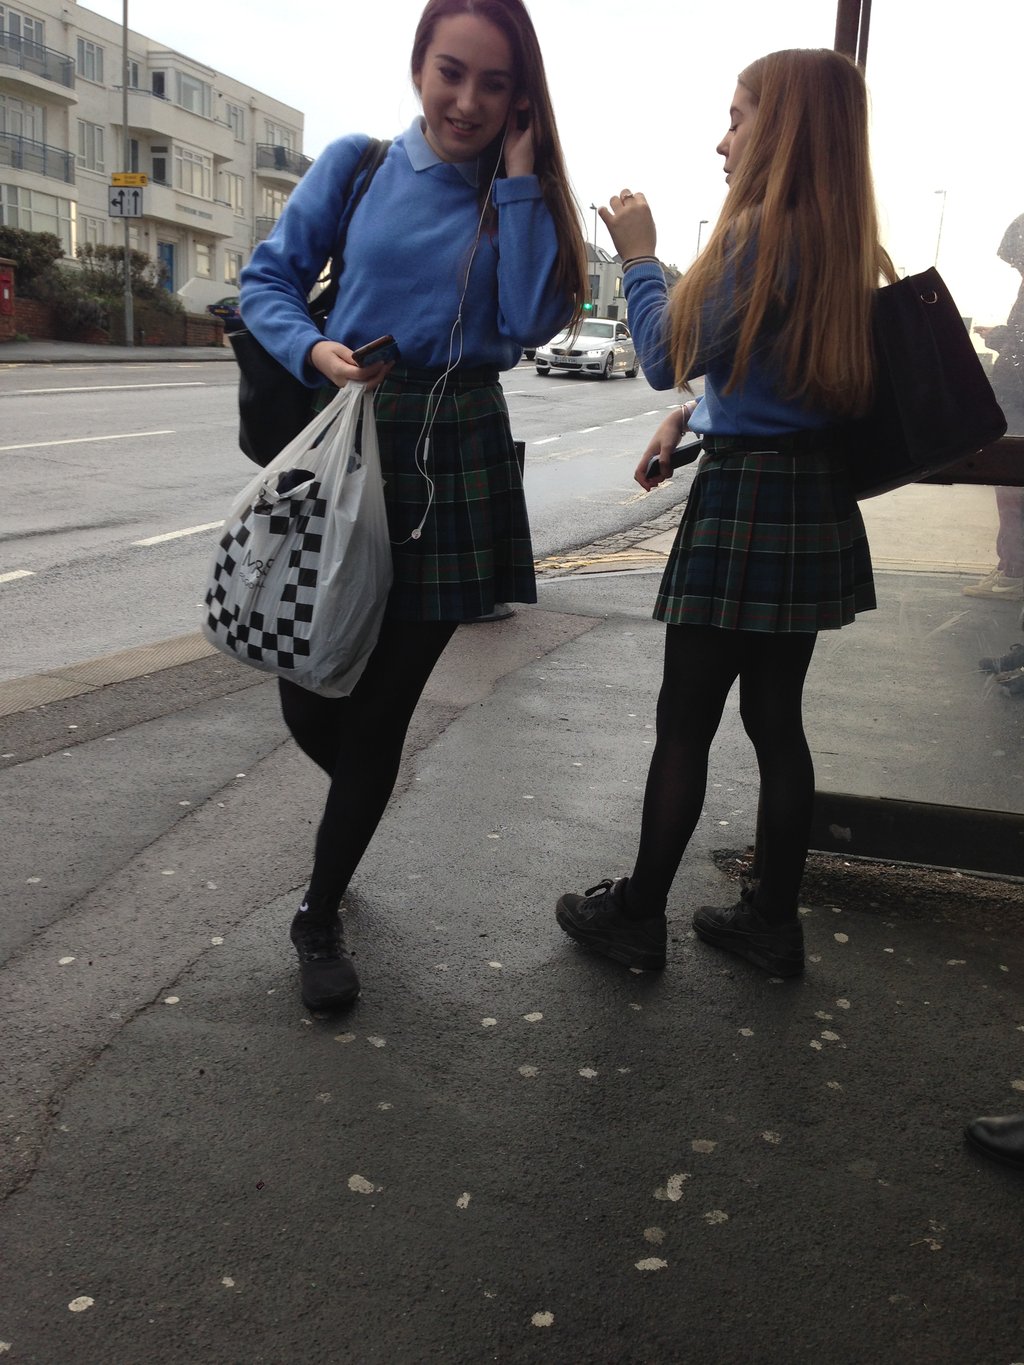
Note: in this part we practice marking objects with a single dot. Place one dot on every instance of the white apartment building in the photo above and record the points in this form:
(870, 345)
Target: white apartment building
(221, 157)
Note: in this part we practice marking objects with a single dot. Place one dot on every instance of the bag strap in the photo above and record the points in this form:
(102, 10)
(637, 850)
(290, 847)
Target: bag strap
(367, 166)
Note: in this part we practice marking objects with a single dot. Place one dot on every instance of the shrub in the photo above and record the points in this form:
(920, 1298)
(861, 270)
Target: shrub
(35, 255)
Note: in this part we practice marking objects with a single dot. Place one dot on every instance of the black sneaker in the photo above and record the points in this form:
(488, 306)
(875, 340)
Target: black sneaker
(326, 972)
(1012, 681)
(777, 948)
(597, 920)
(1013, 658)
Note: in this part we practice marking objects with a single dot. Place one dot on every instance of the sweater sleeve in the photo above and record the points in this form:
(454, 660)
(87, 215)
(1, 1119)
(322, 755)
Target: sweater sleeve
(647, 297)
(276, 282)
(531, 309)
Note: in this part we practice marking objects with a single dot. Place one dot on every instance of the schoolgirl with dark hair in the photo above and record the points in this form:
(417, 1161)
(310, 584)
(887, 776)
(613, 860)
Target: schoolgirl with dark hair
(466, 248)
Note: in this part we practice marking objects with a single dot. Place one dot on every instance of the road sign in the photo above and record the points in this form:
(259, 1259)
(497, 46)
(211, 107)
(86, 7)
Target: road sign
(136, 178)
(124, 203)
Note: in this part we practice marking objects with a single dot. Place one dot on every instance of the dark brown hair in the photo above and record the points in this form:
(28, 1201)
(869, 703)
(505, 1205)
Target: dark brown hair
(513, 20)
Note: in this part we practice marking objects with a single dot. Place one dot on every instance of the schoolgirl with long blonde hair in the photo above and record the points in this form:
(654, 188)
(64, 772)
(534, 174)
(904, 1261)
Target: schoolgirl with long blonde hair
(775, 316)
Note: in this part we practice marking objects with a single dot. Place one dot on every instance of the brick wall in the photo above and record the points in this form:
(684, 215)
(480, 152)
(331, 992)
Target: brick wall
(33, 319)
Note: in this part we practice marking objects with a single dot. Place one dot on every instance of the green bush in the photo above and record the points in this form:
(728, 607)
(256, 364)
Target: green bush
(102, 269)
(35, 255)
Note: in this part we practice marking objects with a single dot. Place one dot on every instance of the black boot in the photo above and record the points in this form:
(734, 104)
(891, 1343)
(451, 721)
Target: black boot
(326, 972)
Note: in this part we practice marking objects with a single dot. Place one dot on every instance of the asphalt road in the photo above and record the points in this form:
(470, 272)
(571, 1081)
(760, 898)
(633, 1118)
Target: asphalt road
(117, 479)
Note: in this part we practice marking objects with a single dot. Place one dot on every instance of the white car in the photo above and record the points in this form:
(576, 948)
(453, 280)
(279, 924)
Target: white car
(600, 346)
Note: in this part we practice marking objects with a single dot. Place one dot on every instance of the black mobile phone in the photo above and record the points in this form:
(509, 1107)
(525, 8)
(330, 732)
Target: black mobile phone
(684, 454)
(384, 348)
(523, 119)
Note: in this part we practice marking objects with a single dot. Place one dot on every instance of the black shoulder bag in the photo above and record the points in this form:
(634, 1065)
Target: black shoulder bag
(274, 406)
(934, 405)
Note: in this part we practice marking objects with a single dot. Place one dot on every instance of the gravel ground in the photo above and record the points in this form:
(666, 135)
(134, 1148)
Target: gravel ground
(902, 890)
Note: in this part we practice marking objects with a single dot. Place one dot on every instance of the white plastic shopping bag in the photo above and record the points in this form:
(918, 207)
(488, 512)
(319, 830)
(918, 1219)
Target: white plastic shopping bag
(302, 569)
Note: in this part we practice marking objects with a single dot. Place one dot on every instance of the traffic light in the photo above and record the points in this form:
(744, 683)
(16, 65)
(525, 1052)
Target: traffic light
(589, 306)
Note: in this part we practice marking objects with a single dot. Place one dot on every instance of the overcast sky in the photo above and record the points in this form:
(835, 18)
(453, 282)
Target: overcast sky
(642, 91)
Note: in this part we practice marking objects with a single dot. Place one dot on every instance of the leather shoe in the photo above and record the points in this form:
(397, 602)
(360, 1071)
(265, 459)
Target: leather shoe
(326, 971)
(1000, 1139)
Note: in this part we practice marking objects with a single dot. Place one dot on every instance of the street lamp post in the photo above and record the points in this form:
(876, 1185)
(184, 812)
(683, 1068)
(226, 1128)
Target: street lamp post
(595, 280)
(129, 321)
(700, 228)
(942, 214)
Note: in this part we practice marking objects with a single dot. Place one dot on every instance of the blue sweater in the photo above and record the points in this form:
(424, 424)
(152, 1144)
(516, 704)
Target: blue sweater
(753, 409)
(406, 255)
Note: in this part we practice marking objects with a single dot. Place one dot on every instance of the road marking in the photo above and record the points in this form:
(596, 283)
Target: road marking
(583, 430)
(620, 420)
(15, 573)
(85, 440)
(176, 535)
(546, 440)
(107, 388)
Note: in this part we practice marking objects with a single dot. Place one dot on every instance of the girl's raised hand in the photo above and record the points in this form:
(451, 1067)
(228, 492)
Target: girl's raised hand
(519, 150)
(630, 224)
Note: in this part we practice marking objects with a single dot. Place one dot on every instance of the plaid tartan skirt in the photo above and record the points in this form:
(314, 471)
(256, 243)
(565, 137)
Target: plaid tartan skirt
(768, 542)
(474, 548)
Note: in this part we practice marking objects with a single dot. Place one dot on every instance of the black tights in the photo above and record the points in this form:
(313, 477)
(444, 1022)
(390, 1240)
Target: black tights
(358, 740)
(701, 665)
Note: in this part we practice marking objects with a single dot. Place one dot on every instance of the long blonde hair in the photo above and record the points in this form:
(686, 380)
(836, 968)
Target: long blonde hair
(799, 235)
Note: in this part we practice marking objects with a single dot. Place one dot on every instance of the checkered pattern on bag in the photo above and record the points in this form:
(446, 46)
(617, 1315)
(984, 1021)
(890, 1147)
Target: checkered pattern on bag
(280, 641)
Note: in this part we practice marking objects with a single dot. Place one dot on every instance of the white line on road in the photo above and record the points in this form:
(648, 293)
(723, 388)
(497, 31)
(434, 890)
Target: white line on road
(107, 388)
(176, 535)
(546, 440)
(85, 440)
(620, 420)
(15, 573)
(583, 430)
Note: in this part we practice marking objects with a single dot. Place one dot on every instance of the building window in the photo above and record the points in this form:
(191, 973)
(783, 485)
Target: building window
(279, 136)
(158, 168)
(21, 119)
(90, 61)
(234, 193)
(22, 33)
(92, 231)
(158, 84)
(90, 147)
(133, 75)
(204, 261)
(193, 172)
(232, 267)
(273, 202)
(37, 212)
(195, 96)
(236, 120)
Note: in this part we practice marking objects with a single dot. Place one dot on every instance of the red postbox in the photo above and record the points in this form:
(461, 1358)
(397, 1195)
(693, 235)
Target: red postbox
(6, 289)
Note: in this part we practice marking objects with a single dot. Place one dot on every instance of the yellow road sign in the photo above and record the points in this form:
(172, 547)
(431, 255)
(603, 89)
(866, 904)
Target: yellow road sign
(132, 178)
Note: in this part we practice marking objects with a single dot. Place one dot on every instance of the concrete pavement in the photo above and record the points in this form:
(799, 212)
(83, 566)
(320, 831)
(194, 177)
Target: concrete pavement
(508, 1150)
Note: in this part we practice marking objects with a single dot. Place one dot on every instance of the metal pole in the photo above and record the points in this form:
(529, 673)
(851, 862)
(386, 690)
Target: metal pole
(942, 214)
(595, 286)
(129, 320)
(700, 228)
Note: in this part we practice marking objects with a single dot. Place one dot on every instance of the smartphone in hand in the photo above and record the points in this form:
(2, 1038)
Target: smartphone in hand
(384, 348)
(684, 454)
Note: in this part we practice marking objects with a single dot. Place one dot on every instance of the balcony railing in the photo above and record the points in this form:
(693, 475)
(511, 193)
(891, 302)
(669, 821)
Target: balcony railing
(25, 154)
(39, 60)
(264, 227)
(281, 159)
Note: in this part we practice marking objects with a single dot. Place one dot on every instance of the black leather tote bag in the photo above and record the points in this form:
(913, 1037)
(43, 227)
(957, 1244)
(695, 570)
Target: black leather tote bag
(933, 403)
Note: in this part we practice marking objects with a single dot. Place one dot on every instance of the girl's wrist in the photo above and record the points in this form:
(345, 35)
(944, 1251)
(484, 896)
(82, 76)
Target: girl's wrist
(638, 260)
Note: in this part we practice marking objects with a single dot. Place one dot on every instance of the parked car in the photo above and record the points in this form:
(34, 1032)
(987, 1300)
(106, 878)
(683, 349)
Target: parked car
(228, 311)
(600, 346)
